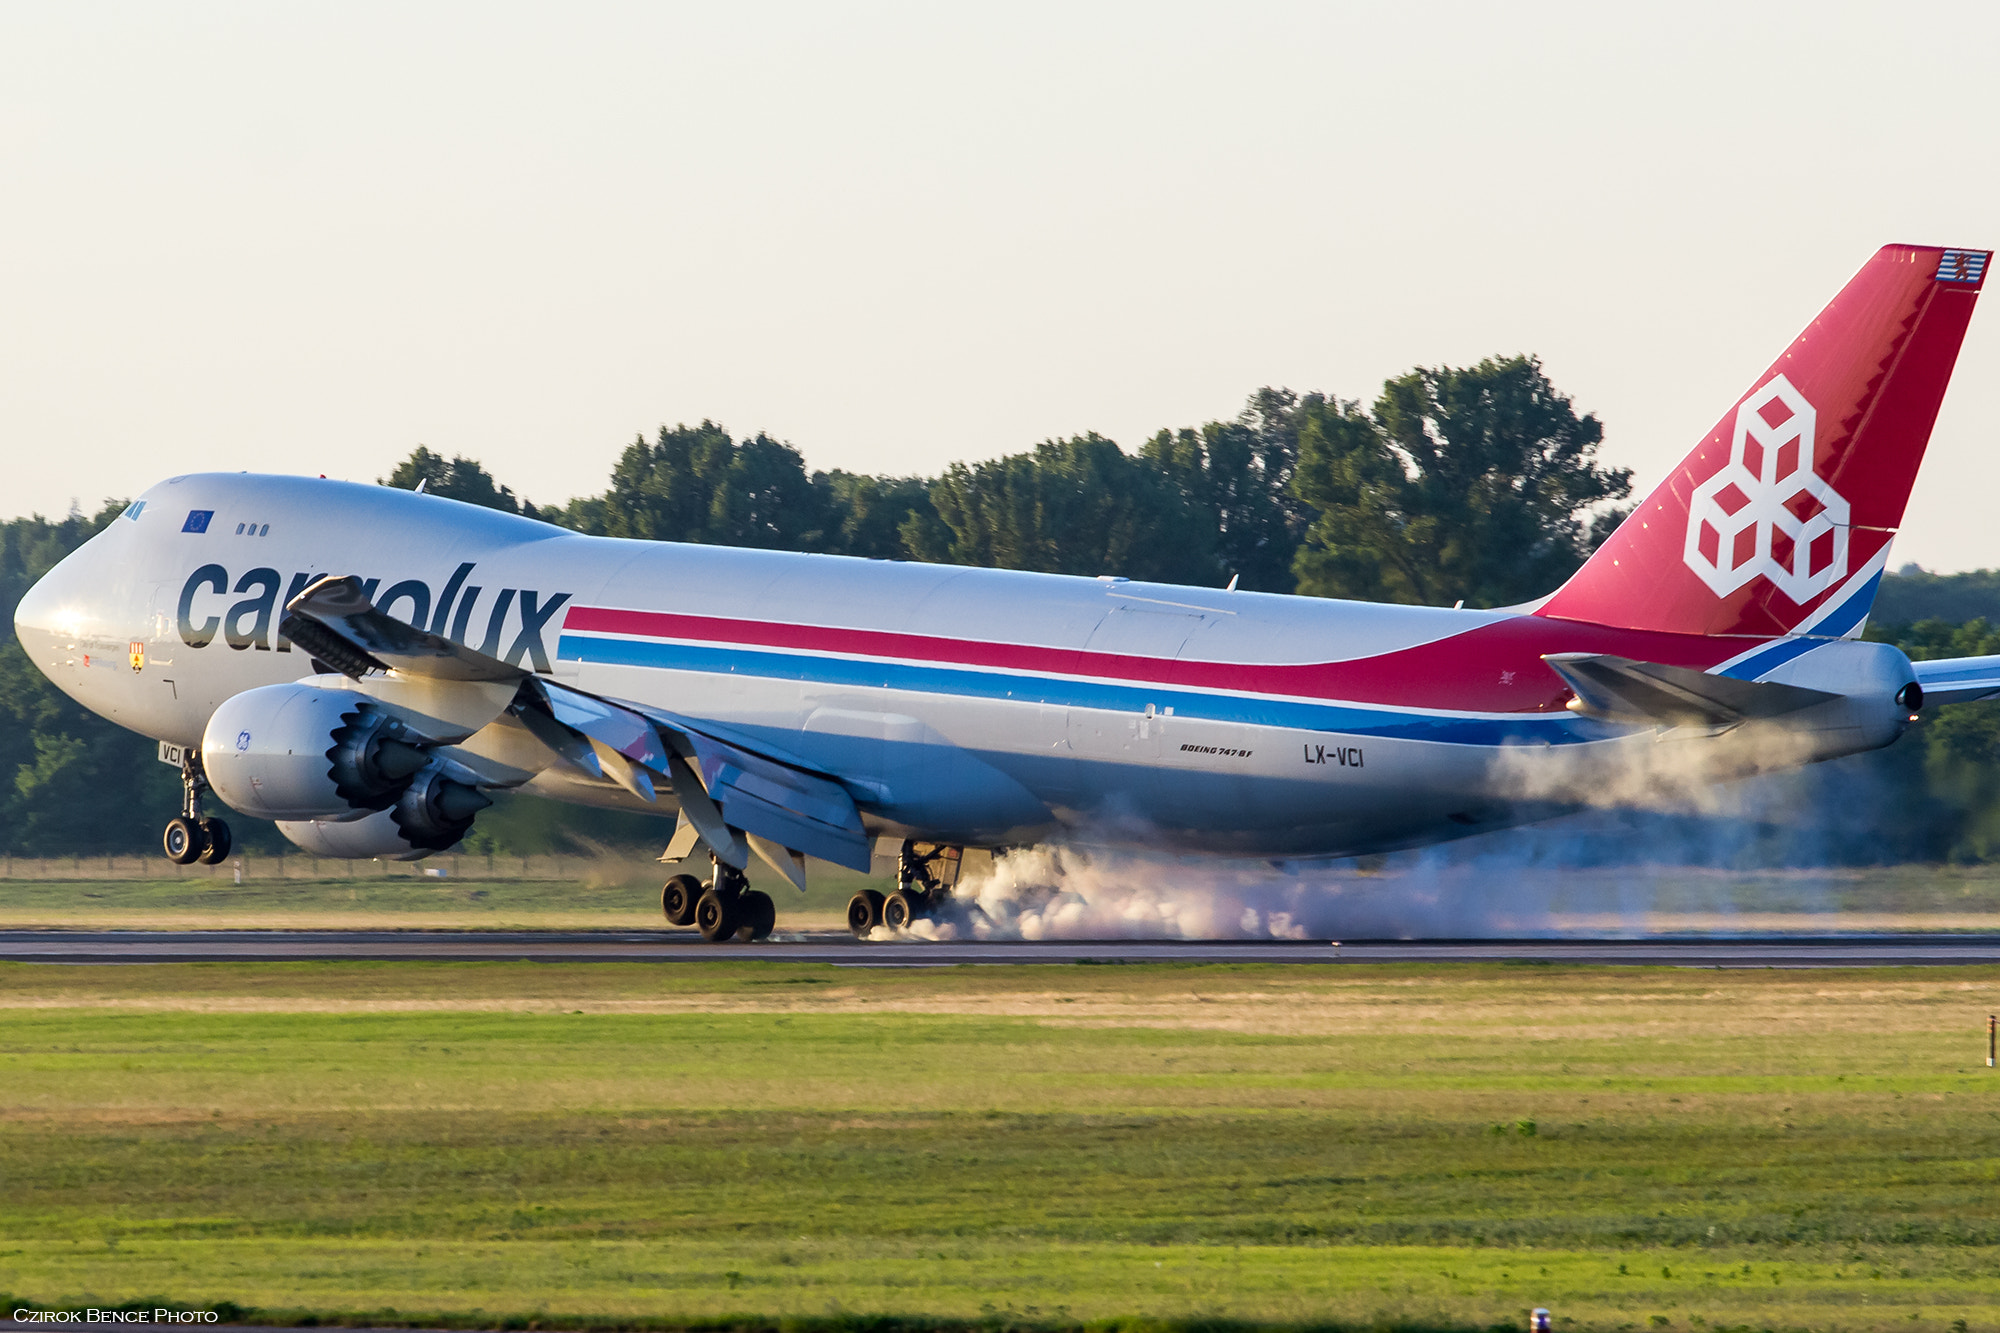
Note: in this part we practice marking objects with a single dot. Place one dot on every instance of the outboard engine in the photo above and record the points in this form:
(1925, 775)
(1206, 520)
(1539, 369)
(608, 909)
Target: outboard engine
(371, 837)
(302, 752)
(435, 811)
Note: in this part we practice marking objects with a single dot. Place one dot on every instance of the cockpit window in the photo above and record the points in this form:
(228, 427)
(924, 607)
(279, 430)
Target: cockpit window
(134, 509)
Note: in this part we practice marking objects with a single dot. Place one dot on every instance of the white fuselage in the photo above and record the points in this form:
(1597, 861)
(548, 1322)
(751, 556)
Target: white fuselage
(977, 706)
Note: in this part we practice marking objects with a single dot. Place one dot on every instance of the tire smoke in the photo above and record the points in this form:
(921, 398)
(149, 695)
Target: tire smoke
(1050, 893)
(1656, 832)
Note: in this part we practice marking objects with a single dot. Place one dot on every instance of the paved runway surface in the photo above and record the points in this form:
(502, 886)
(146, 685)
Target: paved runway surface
(50, 946)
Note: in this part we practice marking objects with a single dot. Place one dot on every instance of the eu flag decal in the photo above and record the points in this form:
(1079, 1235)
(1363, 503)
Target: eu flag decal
(197, 520)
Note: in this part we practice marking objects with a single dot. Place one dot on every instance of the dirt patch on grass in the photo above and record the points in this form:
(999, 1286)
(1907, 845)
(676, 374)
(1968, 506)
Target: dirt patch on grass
(1570, 1004)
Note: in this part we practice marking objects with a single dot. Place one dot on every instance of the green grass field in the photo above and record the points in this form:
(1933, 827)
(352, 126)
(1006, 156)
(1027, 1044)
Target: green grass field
(622, 893)
(1637, 1149)
(478, 893)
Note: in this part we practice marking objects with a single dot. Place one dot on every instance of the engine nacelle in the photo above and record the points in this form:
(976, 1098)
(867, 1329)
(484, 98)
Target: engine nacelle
(301, 752)
(372, 837)
(434, 811)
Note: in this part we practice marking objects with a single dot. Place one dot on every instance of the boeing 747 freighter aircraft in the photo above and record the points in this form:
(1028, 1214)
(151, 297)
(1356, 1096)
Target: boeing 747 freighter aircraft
(366, 665)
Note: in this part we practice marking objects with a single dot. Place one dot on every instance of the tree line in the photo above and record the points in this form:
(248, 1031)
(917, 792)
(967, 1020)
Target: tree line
(1479, 484)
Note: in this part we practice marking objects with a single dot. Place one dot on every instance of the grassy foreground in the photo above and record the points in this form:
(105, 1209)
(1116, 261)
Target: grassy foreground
(298, 893)
(611, 892)
(1637, 1149)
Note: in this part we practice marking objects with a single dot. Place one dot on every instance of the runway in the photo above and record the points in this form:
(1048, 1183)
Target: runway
(1831, 950)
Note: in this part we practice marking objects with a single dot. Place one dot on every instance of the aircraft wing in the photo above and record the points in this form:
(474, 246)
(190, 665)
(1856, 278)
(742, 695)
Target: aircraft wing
(1958, 680)
(1622, 690)
(333, 620)
(727, 785)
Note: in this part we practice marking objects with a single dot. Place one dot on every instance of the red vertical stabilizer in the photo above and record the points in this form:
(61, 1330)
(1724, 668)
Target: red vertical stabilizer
(1780, 520)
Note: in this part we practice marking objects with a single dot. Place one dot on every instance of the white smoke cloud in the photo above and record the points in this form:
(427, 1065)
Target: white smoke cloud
(1672, 836)
(1049, 893)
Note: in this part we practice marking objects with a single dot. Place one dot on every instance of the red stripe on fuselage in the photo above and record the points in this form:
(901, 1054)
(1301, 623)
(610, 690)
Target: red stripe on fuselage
(1495, 668)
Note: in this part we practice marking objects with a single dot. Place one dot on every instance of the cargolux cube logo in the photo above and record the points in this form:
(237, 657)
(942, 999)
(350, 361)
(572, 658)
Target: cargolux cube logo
(1766, 512)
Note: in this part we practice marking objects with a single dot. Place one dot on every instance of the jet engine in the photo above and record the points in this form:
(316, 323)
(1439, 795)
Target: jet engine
(300, 752)
(371, 837)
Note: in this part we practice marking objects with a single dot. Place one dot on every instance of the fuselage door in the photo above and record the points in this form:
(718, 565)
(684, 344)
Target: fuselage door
(1121, 712)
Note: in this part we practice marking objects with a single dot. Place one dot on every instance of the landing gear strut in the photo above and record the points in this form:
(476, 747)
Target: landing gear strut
(190, 836)
(925, 874)
(726, 908)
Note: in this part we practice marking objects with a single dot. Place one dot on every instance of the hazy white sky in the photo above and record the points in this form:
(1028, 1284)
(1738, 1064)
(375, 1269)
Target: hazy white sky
(309, 237)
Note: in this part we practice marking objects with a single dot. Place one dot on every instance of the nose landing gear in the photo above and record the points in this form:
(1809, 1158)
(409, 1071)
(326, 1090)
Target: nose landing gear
(190, 836)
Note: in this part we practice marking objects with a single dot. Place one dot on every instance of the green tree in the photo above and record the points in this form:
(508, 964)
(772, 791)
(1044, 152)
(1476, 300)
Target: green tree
(1238, 477)
(459, 478)
(1912, 594)
(697, 484)
(1075, 506)
(1479, 484)
(1959, 743)
(869, 515)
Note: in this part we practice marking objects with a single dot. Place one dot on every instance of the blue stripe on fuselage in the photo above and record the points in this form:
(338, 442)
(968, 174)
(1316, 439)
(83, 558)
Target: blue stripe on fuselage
(1835, 626)
(1112, 696)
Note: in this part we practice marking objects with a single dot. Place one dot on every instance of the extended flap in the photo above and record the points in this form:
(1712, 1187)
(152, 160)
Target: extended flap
(789, 806)
(756, 790)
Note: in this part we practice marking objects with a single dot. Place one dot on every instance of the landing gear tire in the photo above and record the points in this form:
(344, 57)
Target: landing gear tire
(759, 915)
(717, 916)
(215, 842)
(190, 836)
(902, 907)
(182, 841)
(678, 899)
(864, 912)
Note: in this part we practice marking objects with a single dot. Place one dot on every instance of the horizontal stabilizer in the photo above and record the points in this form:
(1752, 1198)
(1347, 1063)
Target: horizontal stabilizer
(1958, 680)
(1619, 689)
(334, 620)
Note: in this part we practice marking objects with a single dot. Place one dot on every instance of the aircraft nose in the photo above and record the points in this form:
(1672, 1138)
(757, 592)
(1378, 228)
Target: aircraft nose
(49, 617)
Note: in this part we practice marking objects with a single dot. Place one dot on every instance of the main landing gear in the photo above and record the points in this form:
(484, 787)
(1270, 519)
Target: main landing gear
(925, 874)
(189, 836)
(725, 908)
